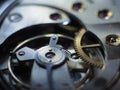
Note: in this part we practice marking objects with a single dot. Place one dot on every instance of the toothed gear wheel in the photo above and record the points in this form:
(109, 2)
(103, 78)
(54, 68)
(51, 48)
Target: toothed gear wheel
(87, 41)
(59, 45)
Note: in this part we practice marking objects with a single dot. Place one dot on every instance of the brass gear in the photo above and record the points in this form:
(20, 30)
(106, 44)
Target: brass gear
(79, 49)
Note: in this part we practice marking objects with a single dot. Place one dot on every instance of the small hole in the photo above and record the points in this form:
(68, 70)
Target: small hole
(74, 56)
(50, 54)
(21, 53)
(78, 6)
(105, 14)
(54, 38)
(55, 16)
(50, 50)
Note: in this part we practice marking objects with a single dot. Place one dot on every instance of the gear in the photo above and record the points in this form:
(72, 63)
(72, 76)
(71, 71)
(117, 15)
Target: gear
(80, 49)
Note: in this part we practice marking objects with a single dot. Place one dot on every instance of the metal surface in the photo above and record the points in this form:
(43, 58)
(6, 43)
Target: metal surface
(80, 44)
(42, 42)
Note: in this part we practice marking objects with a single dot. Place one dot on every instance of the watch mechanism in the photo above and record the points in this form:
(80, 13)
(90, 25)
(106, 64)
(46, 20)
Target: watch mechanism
(59, 45)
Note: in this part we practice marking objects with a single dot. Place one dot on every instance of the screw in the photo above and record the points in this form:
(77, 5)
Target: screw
(15, 17)
(21, 53)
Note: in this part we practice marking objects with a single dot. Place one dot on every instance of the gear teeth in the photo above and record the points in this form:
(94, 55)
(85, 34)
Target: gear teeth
(96, 64)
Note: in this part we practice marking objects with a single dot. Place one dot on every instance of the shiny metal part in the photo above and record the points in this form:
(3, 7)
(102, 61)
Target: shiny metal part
(105, 14)
(47, 55)
(59, 45)
(113, 40)
(79, 49)
(53, 41)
